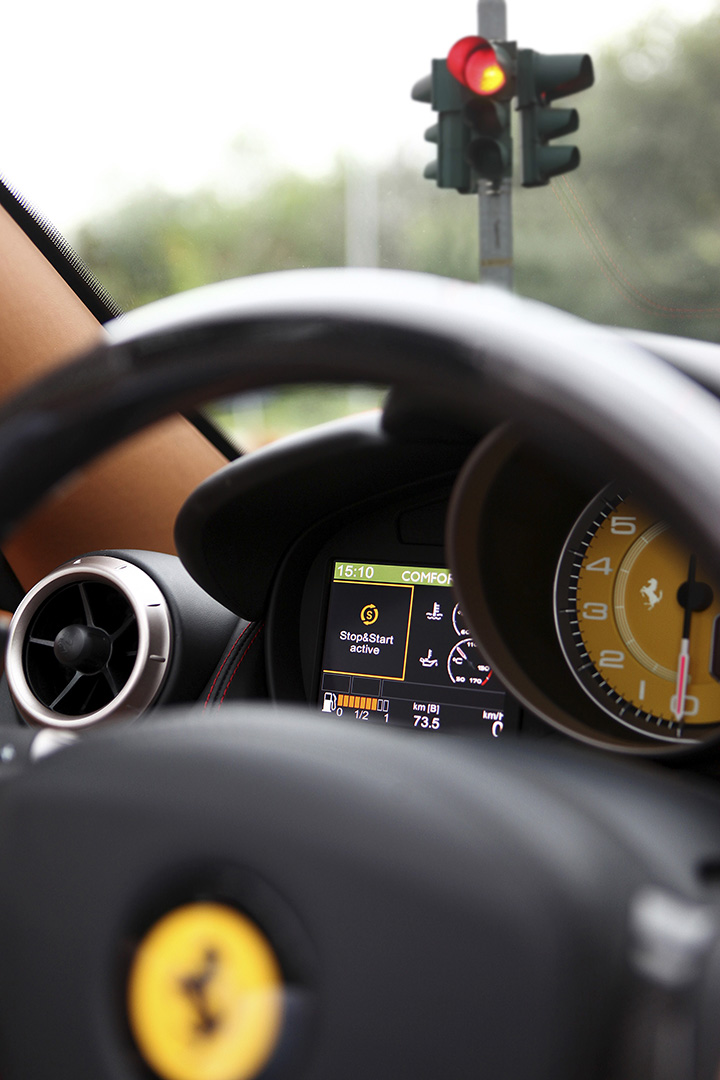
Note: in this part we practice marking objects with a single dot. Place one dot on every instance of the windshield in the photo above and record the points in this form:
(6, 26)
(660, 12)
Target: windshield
(175, 147)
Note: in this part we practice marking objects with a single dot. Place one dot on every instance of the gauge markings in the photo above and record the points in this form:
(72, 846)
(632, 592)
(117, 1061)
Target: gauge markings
(623, 591)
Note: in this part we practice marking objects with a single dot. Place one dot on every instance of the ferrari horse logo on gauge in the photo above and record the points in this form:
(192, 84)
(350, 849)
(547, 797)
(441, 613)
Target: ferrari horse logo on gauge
(652, 596)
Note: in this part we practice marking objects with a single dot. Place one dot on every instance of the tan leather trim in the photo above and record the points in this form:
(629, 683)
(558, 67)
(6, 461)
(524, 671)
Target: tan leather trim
(130, 497)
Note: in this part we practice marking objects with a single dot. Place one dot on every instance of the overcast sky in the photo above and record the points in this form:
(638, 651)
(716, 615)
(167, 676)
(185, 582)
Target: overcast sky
(100, 100)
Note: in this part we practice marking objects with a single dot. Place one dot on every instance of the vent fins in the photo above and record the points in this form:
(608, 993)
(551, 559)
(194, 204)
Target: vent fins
(89, 644)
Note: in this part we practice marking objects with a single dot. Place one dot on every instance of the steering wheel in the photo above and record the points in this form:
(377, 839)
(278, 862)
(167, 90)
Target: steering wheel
(279, 895)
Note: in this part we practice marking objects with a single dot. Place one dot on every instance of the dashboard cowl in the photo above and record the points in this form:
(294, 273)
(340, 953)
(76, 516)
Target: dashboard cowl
(228, 532)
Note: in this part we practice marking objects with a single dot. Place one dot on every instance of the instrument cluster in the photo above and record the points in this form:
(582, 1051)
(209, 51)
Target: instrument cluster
(589, 606)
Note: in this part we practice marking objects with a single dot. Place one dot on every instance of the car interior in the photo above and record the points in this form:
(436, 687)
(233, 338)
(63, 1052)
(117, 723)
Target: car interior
(388, 749)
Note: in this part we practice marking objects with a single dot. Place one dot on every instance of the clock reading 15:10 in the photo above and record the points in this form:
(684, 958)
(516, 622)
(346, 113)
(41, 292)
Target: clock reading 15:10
(359, 571)
(392, 574)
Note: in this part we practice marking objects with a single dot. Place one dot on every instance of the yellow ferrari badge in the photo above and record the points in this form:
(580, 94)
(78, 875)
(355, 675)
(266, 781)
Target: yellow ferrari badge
(205, 995)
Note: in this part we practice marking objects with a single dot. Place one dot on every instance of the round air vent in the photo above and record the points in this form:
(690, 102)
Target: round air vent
(90, 643)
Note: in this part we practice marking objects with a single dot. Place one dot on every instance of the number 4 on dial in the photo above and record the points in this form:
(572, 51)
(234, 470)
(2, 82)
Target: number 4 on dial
(602, 566)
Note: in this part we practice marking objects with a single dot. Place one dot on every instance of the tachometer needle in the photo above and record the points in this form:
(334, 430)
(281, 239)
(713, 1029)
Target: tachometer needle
(683, 671)
(682, 679)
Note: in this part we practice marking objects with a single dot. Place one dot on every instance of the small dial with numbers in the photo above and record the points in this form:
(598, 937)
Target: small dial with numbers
(638, 620)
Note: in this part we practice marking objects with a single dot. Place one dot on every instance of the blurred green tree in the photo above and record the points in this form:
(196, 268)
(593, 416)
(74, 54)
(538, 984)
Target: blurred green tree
(633, 238)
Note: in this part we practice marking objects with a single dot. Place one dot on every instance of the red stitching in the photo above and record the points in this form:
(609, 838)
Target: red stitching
(247, 650)
(229, 654)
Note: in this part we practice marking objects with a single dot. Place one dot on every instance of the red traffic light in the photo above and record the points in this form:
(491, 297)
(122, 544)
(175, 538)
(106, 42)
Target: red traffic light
(474, 63)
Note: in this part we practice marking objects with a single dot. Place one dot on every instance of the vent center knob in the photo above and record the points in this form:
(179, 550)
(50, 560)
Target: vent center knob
(84, 648)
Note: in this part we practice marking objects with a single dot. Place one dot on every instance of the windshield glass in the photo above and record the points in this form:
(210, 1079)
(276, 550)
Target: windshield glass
(175, 147)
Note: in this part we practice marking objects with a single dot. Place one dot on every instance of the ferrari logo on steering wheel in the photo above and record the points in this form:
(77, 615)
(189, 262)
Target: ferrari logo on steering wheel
(205, 995)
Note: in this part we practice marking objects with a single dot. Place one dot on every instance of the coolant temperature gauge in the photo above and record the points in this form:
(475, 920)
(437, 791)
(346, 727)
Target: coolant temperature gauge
(458, 620)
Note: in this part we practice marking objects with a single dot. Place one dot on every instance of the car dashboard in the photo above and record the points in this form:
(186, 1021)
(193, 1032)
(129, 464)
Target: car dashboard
(344, 594)
(330, 547)
(323, 570)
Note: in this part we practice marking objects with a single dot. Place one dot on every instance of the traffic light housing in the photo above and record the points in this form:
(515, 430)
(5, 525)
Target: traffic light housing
(487, 70)
(447, 97)
(471, 91)
(542, 79)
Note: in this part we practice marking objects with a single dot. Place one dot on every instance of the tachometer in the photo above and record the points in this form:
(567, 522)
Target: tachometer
(637, 620)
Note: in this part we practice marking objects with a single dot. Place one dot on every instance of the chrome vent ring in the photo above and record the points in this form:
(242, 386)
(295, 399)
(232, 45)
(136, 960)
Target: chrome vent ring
(89, 644)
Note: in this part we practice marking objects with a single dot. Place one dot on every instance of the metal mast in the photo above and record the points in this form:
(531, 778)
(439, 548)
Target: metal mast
(496, 241)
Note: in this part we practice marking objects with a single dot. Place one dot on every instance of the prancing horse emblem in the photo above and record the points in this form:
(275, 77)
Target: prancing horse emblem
(652, 596)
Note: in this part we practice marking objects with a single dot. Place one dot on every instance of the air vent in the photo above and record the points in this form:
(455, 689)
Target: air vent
(89, 644)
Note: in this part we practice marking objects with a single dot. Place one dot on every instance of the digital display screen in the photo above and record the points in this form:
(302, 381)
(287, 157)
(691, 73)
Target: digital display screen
(398, 652)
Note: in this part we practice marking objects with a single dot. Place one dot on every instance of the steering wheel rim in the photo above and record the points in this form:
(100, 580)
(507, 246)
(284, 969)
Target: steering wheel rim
(474, 350)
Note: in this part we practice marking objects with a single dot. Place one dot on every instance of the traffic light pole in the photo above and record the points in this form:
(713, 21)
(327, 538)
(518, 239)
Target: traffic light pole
(496, 241)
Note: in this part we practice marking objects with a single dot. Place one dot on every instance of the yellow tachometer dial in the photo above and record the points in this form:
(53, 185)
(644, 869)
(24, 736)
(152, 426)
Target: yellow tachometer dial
(637, 619)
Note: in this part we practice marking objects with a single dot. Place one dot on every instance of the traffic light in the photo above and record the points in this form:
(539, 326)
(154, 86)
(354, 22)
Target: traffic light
(446, 96)
(540, 80)
(488, 72)
(471, 91)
